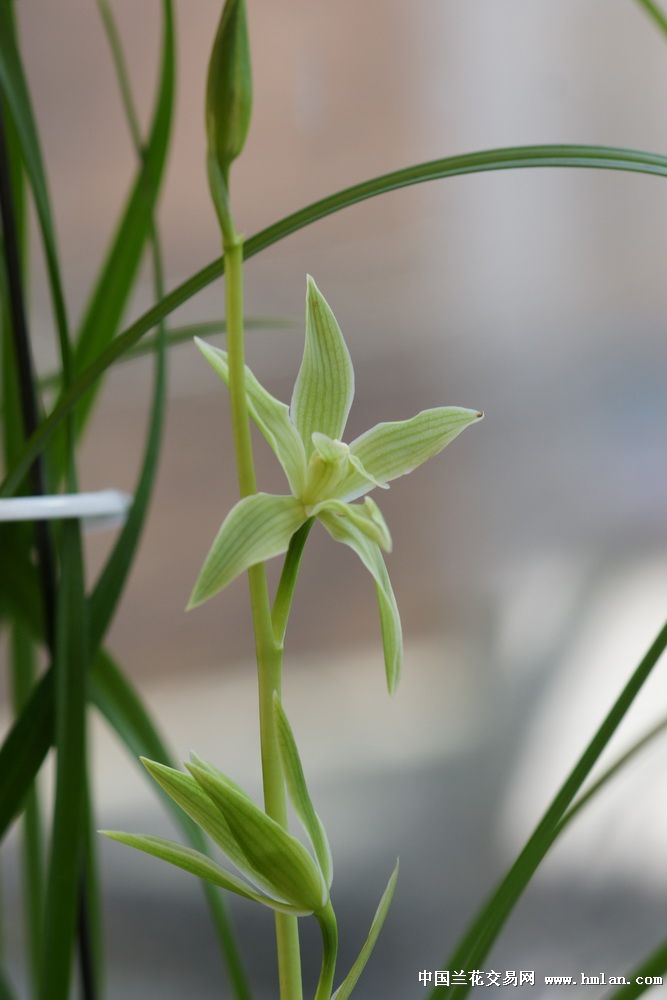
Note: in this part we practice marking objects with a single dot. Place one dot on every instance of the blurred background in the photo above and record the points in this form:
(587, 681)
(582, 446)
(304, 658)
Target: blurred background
(529, 561)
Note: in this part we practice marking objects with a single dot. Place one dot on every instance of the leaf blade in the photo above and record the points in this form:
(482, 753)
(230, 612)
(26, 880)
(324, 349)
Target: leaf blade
(350, 981)
(509, 158)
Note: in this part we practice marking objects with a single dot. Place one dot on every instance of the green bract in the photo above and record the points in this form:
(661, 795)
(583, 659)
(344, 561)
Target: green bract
(325, 474)
(277, 869)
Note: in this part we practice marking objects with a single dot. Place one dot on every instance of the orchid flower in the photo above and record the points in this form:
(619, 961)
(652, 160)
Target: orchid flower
(325, 474)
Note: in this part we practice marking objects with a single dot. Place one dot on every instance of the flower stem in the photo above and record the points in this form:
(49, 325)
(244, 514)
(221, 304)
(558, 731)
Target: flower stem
(268, 651)
(329, 928)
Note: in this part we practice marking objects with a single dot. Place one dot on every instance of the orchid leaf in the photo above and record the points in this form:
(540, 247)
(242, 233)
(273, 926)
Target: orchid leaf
(351, 979)
(196, 864)
(256, 528)
(298, 791)
(343, 529)
(285, 864)
(324, 387)
(395, 448)
(270, 415)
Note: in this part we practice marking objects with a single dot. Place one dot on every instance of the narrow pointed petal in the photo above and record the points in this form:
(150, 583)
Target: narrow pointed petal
(269, 414)
(257, 528)
(284, 862)
(197, 864)
(346, 987)
(298, 791)
(344, 530)
(393, 449)
(324, 387)
(367, 516)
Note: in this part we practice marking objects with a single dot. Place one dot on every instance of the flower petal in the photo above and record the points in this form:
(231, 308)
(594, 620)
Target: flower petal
(393, 449)
(270, 415)
(256, 528)
(366, 516)
(344, 530)
(324, 387)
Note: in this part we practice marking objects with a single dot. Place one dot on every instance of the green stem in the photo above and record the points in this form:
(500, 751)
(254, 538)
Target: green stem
(329, 928)
(268, 651)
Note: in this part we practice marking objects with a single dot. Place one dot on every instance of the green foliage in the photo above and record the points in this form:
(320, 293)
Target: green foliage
(325, 476)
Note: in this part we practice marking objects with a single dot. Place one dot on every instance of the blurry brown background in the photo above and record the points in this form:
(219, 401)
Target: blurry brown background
(529, 559)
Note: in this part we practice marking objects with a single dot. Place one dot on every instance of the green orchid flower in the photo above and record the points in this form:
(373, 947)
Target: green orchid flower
(325, 474)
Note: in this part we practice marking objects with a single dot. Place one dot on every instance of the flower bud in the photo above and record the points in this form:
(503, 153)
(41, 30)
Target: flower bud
(229, 89)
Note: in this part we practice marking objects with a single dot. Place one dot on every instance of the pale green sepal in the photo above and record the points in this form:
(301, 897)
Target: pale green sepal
(351, 979)
(367, 516)
(324, 387)
(343, 529)
(284, 863)
(256, 528)
(269, 414)
(298, 791)
(395, 448)
(193, 800)
(197, 864)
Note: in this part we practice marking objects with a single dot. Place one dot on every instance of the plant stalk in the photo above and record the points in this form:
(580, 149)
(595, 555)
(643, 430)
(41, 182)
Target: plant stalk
(268, 651)
(329, 928)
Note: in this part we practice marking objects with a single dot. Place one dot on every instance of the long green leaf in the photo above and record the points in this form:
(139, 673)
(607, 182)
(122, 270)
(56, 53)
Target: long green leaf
(654, 966)
(178, 335)
(71, 661)
(484, 929)
(116, 279)
(17, 97)
(23, 664)
(589, 157)
(122, 707)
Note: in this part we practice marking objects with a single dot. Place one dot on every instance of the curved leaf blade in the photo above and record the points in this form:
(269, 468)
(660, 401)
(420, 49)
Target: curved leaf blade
(510, 158)
(352, 978)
